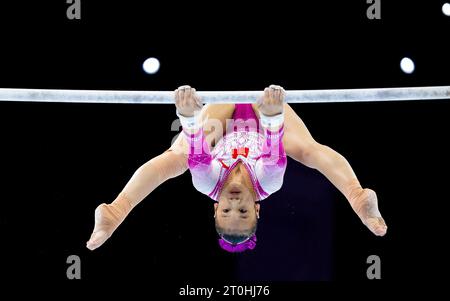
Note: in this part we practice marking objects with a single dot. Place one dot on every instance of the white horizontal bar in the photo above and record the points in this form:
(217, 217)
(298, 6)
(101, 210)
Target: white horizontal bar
(167, 97)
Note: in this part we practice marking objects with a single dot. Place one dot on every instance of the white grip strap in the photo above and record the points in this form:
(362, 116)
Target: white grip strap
(271, 121)
(189, 123)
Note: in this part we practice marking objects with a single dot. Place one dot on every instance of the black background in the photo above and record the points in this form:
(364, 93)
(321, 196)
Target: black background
(59, 161)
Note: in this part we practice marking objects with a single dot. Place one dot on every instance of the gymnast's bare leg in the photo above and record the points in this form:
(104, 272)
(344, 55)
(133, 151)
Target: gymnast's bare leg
(300, 146)
(149, 176)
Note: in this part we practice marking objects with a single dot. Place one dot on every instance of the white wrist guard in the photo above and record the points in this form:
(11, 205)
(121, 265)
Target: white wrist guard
(271, 121)
(189, 123)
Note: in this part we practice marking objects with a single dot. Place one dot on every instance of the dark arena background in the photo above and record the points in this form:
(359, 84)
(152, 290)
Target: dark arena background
(60, 161)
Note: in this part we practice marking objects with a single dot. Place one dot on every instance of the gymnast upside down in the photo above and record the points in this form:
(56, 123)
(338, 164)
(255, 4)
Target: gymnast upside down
(238, 166)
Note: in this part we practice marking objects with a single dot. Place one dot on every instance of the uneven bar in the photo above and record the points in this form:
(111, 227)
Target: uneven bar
(167, 97)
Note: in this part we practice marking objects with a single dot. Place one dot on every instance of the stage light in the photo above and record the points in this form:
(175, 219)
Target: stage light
(407, 65)
(151, 65)
(446, 9)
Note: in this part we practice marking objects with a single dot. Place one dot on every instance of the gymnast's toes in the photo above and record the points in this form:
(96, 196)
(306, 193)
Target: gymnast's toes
(376, 225)
(97, 239)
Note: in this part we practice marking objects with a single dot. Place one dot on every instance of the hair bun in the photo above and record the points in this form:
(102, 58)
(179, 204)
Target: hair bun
(249, 244)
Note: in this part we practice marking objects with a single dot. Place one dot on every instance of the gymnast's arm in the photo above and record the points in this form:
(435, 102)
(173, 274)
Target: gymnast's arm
(146, 178)
(271, 166)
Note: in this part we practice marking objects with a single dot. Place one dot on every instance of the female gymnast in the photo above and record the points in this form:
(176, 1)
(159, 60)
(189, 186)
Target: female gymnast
(237, 166)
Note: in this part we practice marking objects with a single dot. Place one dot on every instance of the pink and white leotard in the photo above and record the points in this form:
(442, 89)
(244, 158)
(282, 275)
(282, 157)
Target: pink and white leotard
(262, 154)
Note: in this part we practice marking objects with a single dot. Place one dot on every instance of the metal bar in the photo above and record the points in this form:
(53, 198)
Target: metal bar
(167, 97)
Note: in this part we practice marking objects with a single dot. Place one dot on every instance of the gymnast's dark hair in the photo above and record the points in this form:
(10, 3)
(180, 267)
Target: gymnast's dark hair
(237, 242)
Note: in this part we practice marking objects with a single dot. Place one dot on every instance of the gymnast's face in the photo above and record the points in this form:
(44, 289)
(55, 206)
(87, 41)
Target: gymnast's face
(236, 216)
(236, 210)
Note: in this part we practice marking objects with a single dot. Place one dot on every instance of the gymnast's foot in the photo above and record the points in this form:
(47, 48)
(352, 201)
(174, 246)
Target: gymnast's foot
(107, 219)
(365, 205)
